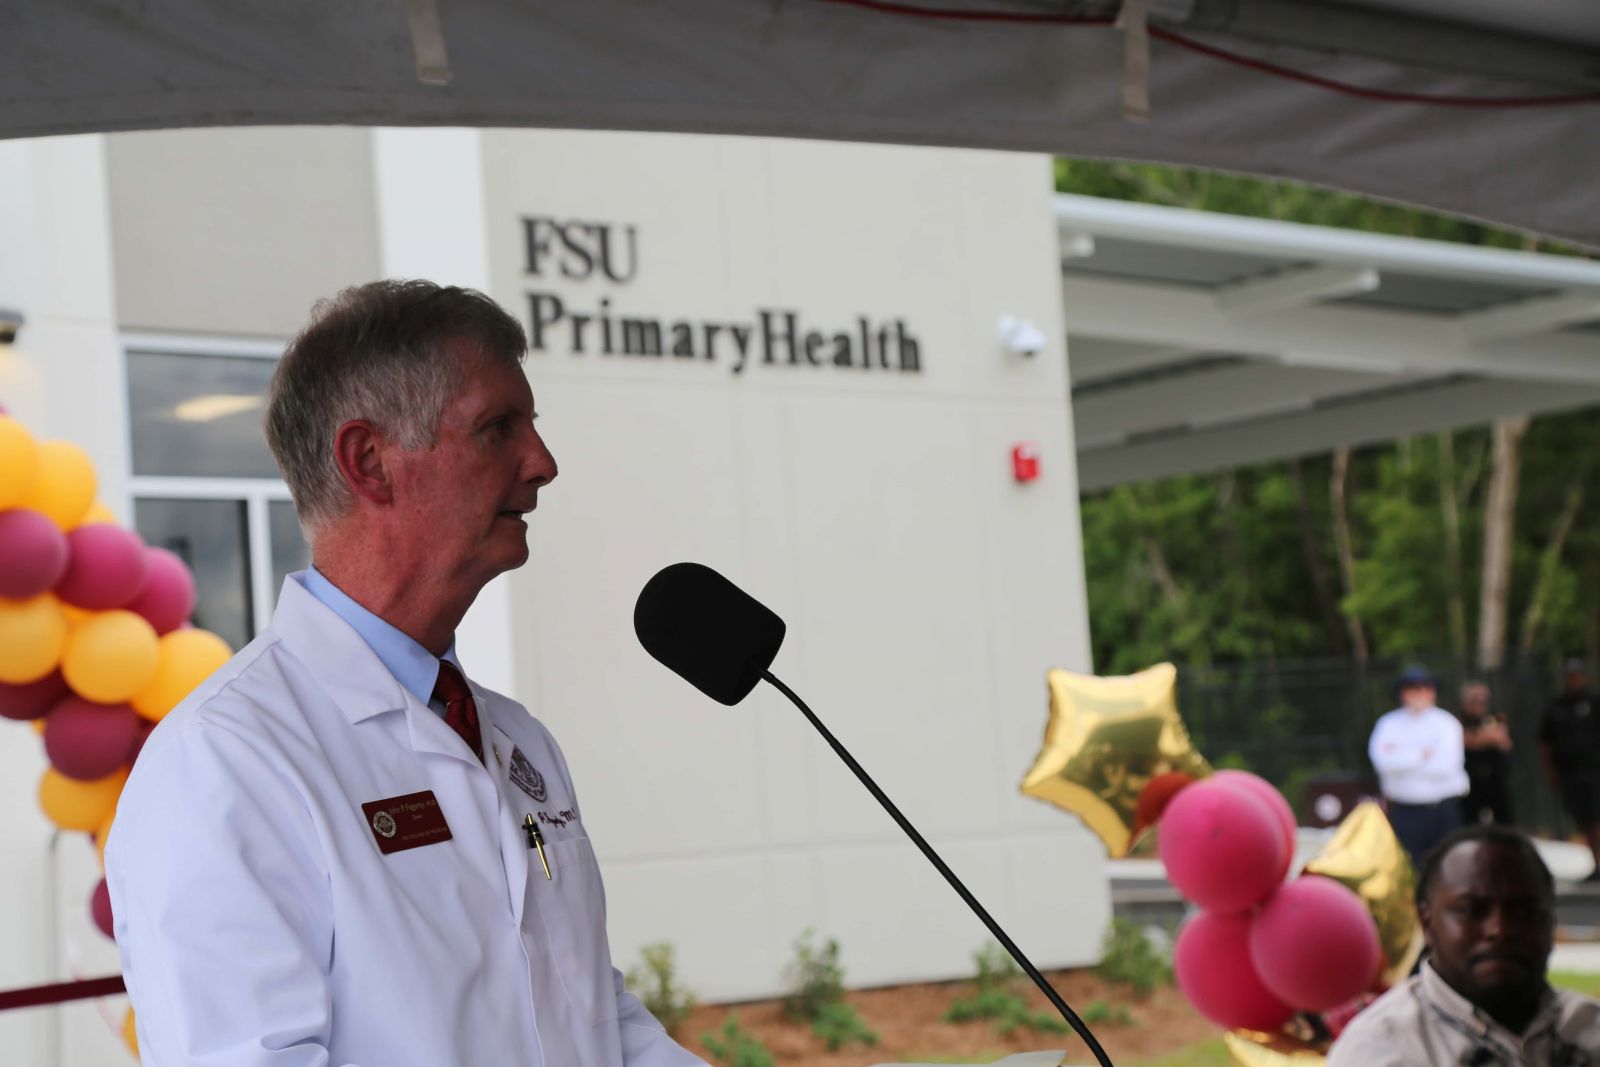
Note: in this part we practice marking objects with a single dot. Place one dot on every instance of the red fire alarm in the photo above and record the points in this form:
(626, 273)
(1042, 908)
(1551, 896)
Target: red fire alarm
(1025, 462)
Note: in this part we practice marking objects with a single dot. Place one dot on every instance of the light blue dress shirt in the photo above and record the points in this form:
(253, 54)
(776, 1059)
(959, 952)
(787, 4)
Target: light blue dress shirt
(412, 665)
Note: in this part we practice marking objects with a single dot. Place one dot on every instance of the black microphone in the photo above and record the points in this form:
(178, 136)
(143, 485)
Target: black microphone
(721, 640)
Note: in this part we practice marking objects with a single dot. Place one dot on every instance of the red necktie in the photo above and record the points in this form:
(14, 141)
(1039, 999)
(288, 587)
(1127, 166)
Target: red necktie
(460, 713)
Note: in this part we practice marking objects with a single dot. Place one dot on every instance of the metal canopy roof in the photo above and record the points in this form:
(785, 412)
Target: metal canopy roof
(1200, 341)
(1478, 107)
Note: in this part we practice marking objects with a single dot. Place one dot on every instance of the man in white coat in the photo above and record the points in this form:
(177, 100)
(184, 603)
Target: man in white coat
(338, 851)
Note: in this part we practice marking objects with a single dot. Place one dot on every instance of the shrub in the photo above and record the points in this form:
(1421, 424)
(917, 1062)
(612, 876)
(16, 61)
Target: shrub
(814, 977)
(839, 1024)
(655, 983)
(737, 1047)
(997, 997)
(1131, 956)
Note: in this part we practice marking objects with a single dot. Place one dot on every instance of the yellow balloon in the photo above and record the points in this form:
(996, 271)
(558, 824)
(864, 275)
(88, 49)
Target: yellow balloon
(101, 834)
(65, 485)
(110, 657)
(32, 634)
(19, 462)
(75, 615)
(130, 1033)
(188, 657)
(75, 805)
(98, 512)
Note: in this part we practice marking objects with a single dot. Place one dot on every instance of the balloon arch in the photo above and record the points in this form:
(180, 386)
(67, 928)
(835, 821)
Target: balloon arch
(95, 641)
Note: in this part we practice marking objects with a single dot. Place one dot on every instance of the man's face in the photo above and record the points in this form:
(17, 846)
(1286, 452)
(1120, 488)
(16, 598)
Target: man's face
(1475, 698)
(1576, 681)
(466, 496)
(1418, 697)
(1489, 921)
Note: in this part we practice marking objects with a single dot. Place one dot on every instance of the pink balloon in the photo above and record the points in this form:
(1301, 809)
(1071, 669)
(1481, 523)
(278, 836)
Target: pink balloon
(1315, 944)
(167, 599)
(88, 741)
(106, 567)
(33, 553)
(1222, 847)
(1257, 786)
(100, 909)
(1212, 963)
(32, 699)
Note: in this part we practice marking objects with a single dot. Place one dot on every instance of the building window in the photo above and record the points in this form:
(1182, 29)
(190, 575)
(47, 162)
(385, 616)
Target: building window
(204, 484)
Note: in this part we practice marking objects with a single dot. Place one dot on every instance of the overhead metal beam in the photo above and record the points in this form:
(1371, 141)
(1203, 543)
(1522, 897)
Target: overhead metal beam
(1294, 287)
(1217, 395)
(1534, 315)
(1354, 338)
(1092, 360)
(1452, 406)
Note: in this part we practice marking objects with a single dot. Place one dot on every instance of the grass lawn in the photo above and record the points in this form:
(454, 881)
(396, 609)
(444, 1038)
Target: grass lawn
(1582, 983)
(1201, 1054)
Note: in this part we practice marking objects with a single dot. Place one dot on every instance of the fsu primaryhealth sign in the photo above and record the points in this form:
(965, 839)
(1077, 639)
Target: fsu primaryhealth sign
(765, 337)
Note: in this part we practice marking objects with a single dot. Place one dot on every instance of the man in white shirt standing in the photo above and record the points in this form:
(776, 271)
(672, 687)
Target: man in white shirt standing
(1420, 758)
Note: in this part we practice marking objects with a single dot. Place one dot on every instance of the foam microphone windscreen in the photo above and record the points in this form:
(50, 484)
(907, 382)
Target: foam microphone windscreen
(707, 630)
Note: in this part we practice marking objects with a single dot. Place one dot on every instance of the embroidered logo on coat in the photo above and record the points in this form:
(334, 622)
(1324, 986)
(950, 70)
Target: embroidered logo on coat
(525, 778)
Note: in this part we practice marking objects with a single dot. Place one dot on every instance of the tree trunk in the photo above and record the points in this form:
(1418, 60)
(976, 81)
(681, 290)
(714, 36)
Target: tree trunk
(1316, 567)
(1549, 560)
(1499, 524)
(1454, 582)
(1347, 556)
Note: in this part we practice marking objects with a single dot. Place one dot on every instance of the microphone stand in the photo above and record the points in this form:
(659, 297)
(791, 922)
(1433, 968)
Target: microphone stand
(917, 839)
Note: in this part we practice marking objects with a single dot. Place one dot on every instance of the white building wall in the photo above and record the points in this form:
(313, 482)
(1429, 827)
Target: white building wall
(925, 593)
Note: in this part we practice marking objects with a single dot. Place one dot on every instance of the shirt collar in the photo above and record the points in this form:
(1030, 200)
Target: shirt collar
(412, 665)
(1444, 996)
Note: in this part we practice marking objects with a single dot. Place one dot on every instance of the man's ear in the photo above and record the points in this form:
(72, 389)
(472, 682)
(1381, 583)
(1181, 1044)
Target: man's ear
(358, 449)
(1425, 920)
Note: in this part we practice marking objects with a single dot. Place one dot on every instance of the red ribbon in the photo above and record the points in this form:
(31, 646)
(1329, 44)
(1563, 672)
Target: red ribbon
(61, 992)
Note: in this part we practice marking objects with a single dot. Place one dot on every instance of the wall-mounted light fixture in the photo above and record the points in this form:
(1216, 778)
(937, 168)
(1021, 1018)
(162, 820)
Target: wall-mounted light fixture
(10, 323)
(1020, 337)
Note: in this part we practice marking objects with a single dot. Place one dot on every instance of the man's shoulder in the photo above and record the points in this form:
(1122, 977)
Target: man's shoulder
(1377, 1026)
(1578, 1012)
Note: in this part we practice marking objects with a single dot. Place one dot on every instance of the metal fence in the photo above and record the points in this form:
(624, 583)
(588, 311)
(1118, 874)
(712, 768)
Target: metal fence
(1292, 721)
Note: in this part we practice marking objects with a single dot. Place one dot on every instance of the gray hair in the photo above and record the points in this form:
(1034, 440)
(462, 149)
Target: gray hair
(380, 352)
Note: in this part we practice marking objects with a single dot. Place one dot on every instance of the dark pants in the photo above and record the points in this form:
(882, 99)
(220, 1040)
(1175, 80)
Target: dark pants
(1489, 799)
(1421, 826)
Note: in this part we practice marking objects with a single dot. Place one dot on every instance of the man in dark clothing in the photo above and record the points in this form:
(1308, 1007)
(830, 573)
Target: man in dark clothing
(1488, 758)
(1569, 741)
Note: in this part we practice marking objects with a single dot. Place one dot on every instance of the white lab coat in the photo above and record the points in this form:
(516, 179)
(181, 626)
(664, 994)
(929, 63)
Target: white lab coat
(260, 925)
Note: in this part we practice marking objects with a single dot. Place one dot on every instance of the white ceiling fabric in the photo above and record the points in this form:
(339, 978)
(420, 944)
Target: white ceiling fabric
(799, 68)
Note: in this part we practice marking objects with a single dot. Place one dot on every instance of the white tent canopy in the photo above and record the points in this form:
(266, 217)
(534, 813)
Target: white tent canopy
(873, 71)
(1200, 341)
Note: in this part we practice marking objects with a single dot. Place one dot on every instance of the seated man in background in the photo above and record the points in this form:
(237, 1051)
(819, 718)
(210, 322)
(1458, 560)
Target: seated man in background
(1487, 905)
(1569, 748)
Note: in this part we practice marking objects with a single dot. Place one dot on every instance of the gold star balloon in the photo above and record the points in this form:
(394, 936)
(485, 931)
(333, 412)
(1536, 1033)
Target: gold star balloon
(1115, 750)
(1364, 854)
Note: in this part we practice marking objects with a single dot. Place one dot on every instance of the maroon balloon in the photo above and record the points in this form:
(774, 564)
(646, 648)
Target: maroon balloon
(1211, 962)
(33, 553)
(32, 699)
(100, 909)
(88, 741)
(106, 568)
(167, 599)
(145, 726)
